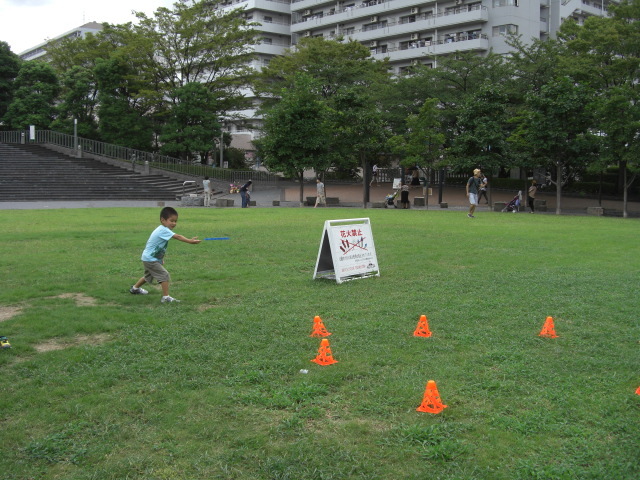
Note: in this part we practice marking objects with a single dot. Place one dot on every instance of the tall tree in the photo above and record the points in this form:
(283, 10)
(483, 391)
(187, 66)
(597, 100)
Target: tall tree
(121, 107)
(297, 131)
(555, 127)
(605, 53)
(191, 128)
(77, 103)
(345, 76)
(36, 88)
(483, 129)
(194, 42)
(423, 141)
(9, 68)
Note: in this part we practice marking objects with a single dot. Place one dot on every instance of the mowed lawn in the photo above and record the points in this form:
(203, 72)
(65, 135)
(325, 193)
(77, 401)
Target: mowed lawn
(102, 384)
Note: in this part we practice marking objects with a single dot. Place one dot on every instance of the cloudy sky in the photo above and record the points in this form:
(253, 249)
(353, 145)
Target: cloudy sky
(26, 23)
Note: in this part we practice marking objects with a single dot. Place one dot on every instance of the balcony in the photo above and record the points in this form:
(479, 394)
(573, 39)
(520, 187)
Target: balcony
(274, 27)
(460, 16)
(271, 48)
(281, 6)
(424, 49)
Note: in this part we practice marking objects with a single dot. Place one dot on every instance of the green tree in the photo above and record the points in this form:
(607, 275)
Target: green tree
(555, 129)
(296, 131)
(344, 76)
(77, 102)
(483, 129)
(605, 53)
(423, 141)
(193, 42)
(36, 89)
(359, 131)
(121, 109)
(9, 68)
(191, 127)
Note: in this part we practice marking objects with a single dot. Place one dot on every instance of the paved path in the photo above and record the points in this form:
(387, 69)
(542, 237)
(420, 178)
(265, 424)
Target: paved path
(349, 195)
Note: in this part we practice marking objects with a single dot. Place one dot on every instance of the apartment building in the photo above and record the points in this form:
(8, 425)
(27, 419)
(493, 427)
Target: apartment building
(410, 32)
(39, 52)
(407, 32)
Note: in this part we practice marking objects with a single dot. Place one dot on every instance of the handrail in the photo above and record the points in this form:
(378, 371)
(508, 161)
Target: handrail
(84, 146)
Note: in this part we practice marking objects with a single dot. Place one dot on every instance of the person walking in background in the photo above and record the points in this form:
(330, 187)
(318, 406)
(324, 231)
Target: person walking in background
(153, 255)
(531, 195)
(404, 195)
(206, 186)
(483, 188)
(320, 197)
(244, 194)
(473, 187)
(374, 175)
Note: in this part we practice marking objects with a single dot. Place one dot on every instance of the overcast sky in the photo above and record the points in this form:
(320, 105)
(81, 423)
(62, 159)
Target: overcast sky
(26, 23)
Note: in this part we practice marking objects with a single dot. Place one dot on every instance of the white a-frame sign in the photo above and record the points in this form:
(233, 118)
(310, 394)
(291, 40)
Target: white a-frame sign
(347, 251)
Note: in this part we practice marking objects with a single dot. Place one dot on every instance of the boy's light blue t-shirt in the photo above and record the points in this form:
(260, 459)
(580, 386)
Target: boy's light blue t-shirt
(157, 244)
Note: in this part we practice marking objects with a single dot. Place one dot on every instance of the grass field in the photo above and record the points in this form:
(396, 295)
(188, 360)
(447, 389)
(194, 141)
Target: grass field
(102, 384)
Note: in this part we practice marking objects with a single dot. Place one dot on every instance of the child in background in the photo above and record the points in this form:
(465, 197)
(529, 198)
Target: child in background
(153, 255)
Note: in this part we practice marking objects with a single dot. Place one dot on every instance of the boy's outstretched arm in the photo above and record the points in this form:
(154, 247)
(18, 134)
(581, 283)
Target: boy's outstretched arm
(185, 239)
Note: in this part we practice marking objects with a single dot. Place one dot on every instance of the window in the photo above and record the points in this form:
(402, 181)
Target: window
(505, 3)
(505, 30)
(266, 19)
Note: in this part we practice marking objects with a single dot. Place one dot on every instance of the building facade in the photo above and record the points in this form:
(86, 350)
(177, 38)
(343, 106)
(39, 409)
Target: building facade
(39, 52)
(407, 32)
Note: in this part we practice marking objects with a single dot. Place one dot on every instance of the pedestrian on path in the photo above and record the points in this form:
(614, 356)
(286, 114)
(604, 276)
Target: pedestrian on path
(374, 175)
(531, 195)
(206, 186)
(244, 194)
(404, 195)
(320, 197)
(483, 188)
(473, 187)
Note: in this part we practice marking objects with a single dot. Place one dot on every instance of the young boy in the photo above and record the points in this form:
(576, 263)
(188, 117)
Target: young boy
(153, 255)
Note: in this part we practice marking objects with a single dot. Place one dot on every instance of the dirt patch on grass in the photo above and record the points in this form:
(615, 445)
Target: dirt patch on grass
(81, 299)
(9, 312)
(62, 343)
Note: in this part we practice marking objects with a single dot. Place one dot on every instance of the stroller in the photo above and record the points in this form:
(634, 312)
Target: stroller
(389, 200)
(514, 204)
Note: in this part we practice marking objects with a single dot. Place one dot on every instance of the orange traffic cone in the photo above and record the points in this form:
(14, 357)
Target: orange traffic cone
(548, 330)
(431, 402)
(638, 391)
(324, 356)
(319, 329)
(422, 330)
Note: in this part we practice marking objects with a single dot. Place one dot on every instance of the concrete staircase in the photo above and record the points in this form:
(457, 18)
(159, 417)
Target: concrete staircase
(33, 172)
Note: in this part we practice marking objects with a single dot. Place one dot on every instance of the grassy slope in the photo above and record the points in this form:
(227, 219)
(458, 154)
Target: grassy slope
(211, 388)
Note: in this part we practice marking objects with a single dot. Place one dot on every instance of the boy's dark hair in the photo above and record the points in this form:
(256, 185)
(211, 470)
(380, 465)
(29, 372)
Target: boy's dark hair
(166, 212)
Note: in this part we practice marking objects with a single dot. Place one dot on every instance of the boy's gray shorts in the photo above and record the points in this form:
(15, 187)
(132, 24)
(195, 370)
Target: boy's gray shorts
(155, 270)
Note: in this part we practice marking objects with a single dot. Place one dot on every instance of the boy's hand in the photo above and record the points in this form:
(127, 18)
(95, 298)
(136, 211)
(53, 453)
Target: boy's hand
(195, 240)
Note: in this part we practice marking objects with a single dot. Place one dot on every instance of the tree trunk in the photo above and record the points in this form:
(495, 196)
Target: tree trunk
(301, 177)
(365, 180)
(625, 211)
(558, 188)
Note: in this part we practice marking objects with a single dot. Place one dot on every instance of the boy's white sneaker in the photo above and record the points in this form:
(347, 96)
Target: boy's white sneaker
(169, 299)
(138, 291)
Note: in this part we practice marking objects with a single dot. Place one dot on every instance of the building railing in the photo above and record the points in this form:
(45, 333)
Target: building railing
(419, 16)
(80, 147)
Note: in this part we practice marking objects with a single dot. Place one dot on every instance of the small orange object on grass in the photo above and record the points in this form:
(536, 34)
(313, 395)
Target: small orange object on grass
(548, 329)
(319, 330)
(431, 402)
(422, 330)
(324, 356)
